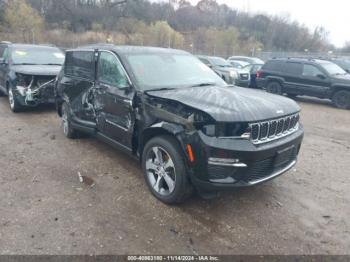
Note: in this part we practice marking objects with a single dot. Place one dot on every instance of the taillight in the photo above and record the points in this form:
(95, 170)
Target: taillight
(258, 74)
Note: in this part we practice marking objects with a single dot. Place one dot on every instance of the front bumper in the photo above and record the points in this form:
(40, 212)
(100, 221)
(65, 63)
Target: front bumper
(254, 165)
(42, 96)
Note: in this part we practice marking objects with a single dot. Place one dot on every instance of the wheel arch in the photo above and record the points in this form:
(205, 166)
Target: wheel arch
(339, 88)
(161, 129)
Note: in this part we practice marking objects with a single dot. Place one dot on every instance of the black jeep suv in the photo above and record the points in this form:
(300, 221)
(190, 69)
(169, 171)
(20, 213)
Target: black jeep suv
(318, 78)
(28, 72)
(188, 128)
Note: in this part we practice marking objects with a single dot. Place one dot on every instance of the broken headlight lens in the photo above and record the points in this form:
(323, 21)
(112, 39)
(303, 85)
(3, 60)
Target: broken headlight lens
(241, 130)
(21, 80)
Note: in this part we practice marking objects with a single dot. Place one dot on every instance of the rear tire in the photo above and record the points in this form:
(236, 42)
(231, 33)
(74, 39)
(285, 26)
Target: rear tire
(274, 87)
(341, 99)
(68, 130)
(15, 106)
(165, 171)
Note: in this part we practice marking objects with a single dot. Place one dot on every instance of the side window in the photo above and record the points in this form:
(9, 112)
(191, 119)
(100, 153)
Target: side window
(273, 65)
(311, 70)
(293, 68)
(80, 64)
(5, 54)
(110, 71)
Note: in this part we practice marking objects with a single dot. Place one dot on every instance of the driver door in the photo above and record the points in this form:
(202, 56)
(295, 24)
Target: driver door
(113, 100)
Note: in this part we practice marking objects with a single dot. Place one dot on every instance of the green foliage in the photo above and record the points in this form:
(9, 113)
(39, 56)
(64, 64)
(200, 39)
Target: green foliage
(208, 27)
(20, 17)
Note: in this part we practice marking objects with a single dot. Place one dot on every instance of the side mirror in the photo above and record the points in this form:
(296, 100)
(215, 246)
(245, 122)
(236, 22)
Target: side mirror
(321, 76)
(2, 61)
(347, 70)
(209, 65)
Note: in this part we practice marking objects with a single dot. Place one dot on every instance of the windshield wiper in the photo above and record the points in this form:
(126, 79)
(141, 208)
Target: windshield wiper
(204, 84)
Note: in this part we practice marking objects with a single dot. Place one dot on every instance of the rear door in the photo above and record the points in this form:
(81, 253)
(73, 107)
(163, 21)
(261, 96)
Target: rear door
(315, 81)
(292, 76)
(113, 100)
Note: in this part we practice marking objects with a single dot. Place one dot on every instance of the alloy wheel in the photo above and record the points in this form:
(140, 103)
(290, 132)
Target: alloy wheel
(65, 121)
(160, 170)
(11, 99)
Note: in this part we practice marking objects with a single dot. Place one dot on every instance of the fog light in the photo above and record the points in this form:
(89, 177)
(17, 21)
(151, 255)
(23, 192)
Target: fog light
(226, 162)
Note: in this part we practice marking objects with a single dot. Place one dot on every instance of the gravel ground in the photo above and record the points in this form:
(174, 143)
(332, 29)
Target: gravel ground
(45, 210)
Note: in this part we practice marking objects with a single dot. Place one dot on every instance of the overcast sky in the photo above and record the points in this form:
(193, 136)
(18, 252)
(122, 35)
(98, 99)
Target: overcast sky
(333, 15)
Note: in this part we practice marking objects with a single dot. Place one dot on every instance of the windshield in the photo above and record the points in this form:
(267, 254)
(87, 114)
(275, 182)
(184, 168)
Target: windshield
(37, 56)
(156, 71)
(345, 64)
(333, 69)
(217, 61)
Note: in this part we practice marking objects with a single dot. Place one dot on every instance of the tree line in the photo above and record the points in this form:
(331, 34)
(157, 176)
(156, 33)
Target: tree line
(205, 28)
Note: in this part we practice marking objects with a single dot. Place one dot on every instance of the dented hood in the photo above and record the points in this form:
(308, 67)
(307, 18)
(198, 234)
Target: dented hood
(232, 104)
(42, 70)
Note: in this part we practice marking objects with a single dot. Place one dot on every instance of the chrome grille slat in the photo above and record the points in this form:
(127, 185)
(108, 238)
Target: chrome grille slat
(270, 130)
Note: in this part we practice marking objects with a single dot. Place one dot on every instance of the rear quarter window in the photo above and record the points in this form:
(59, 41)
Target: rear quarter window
(293, 68)
(273, 66)
(80, 64)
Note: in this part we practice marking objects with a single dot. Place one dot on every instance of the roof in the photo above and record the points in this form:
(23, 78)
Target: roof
(32, 46)
(124, 49)
(301, 59)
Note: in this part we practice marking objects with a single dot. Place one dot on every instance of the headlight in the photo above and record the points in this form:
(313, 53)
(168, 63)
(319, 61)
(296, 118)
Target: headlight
(233, 74)
(234, 130)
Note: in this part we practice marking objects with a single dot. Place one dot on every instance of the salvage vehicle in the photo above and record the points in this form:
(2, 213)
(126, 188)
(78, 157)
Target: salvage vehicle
(187, 127)
(306, 76)
(226, 71)
(27, 74)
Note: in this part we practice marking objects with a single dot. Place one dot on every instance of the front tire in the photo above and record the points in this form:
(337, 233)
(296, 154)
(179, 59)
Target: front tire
(274, 88)
(165, 170)
(341, 99)
(68, 130)
(13, 102)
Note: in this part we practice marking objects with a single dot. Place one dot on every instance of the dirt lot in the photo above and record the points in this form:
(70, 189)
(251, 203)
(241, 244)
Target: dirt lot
(45, 210)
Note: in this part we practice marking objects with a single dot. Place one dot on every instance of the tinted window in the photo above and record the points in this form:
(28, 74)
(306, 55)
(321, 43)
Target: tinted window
(273, 65)
(4, 53)
(2, 48)
(293, 68)
(80, 64)
(311, 70)
(110, 70)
